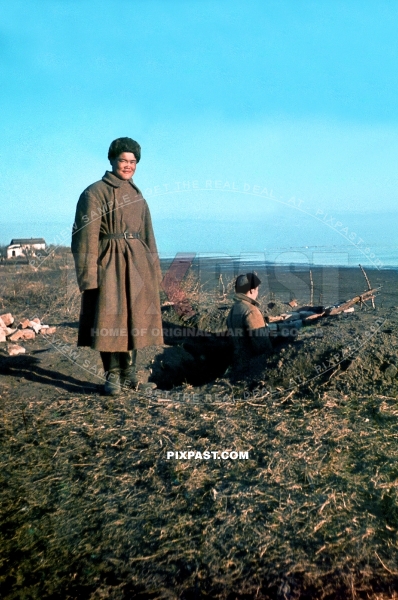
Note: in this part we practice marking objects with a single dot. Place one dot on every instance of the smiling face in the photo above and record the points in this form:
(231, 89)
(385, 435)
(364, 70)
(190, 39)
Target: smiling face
(124, 165)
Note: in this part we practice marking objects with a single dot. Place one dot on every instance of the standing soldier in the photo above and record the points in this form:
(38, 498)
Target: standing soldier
(118, 269)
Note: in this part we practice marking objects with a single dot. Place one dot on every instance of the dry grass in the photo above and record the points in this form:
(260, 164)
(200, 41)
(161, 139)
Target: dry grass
(92, 508)
(49, 291)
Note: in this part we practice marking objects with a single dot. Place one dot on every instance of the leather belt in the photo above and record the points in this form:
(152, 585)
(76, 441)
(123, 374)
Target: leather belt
(127, 235)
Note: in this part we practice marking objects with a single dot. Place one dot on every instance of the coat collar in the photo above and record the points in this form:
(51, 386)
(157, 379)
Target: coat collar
(116, 182)
(242, 297)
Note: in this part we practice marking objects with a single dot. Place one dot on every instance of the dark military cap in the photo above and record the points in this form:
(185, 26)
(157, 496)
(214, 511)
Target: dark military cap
(124, 144)
(245, 283)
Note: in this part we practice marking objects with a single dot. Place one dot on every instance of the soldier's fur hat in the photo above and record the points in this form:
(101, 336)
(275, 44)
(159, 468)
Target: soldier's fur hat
(124, 144)
(247, 282)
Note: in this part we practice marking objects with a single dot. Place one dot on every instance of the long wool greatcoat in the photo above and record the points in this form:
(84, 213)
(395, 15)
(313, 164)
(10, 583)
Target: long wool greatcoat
(119, 278)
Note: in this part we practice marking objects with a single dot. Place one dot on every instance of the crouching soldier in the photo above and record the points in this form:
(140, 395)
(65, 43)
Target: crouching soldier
(246, 325)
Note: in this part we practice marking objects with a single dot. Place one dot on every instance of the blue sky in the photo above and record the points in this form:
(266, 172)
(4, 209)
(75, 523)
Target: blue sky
(299, 97)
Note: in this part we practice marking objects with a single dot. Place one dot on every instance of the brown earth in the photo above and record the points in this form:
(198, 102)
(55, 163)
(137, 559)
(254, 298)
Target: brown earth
(92, 507)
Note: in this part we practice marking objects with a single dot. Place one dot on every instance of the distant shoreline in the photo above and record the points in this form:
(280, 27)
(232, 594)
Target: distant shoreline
(223, 263)
(331, 283)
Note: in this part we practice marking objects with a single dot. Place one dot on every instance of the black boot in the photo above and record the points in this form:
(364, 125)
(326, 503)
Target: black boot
(111, 363)
(128, 372)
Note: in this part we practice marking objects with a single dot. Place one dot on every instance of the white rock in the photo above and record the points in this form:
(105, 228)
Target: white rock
(14, 350)
(22, 334)
(47, 330)
(35, 326)
(7, 318)
(9, 331)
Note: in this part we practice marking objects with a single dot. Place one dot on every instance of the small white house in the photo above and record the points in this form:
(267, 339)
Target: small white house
(25, 247)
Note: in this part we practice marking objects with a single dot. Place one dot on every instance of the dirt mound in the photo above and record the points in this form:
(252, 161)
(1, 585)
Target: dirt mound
(354, 353)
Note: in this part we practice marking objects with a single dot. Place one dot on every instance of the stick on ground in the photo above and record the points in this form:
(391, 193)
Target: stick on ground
(368, 282)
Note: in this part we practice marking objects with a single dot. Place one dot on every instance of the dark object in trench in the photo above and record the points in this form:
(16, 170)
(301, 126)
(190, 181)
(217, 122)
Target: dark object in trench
(197, 356)
(315, 309)
(201, 356)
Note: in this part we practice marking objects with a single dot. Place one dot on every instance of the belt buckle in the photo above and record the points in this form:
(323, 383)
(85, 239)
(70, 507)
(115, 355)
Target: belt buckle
(125, 234)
